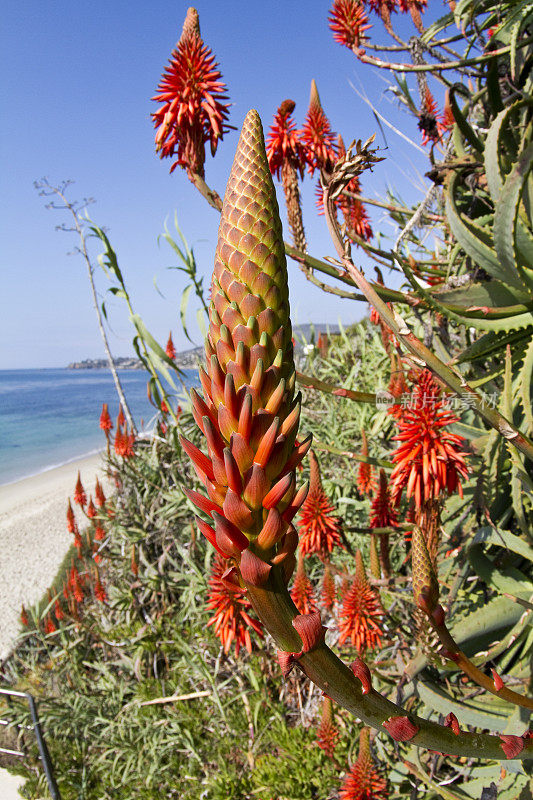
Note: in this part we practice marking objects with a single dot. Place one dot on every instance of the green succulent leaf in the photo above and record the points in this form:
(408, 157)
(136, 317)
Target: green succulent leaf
(507, 210)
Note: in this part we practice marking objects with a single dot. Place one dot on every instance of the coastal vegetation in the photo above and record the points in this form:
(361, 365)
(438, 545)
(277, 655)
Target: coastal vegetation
(314, 579)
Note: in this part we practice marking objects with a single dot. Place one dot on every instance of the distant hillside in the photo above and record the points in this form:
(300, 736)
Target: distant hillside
(188, 358)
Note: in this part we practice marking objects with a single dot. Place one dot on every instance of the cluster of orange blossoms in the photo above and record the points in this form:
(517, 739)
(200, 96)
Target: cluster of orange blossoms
(232, 620)
(363, 781)
(318, 526)
(365, 474)
(192, 94)
(302, 592)
(349, 22)
(327, 734)
(429, 460)
(170, 350)
(360, 612)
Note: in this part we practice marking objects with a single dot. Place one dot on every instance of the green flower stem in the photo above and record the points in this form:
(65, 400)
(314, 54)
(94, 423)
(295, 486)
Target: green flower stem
(475, 674)
(339, 391)
(376, 462)
(454, 380)
(463, 62)
(328, 269)
(276, 610)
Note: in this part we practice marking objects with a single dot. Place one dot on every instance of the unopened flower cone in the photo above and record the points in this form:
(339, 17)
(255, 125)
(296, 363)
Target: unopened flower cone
(248, 413)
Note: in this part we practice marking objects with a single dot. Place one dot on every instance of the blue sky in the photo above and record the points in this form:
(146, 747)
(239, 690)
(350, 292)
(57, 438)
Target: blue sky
(77, 81)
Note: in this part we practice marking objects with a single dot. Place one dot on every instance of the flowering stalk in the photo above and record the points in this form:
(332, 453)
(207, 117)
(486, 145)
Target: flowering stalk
(192, 94)
(287, 158)
(454, 380)
(249, 417)
(426, 594)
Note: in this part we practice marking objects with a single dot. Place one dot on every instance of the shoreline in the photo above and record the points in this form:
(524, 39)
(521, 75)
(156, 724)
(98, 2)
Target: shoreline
(34, 537)
(89, 454)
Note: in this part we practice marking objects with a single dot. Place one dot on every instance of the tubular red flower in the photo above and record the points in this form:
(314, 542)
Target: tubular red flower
(328, 593)
(428, 119)
(170, 350)
(364, 782)
(302, 592)
(192, 94)
(232, 619)
(106, 423)
(365, 473)
(80, 498)
(319, 527)
(49, 625)
(348, 21)
(121, 419)
(99, 494)
(283, 143)
(317, 136)
(99, 591)
(71, 522)
(91, 509)
(383, 512)
(428, 461)
(327, 734)
(360, 612)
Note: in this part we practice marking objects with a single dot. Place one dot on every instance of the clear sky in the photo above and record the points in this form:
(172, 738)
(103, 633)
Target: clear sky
(77, 81)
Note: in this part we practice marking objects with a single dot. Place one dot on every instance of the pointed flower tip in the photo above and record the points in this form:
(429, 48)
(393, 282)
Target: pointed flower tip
(314, 97)
(191, 25)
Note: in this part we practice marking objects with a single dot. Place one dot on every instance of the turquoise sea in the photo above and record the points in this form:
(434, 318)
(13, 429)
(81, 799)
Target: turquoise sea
(51, 416)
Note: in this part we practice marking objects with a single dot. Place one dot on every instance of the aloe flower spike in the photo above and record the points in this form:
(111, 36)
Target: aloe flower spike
(249, 413)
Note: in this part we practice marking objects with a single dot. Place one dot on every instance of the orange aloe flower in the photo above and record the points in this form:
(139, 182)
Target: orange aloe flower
(106, 423)
(414, 7)
(317, 136)
(99, 494)
(363, 781)
(428, 119)
(287, 158)
(327, 734)
(49, 625)
(383, 512)
(318, 526)
(383, 516)
(360, 612)
(328, 592)
(231, 619)
(170, 350)
(80, 498)
(365, 473)
(302, 592)
(429, 460)
(71, 521)
(192, 95)
(348, 21)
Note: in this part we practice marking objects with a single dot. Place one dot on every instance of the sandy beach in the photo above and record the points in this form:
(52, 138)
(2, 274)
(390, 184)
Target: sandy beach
(34, 540)
(34, 537)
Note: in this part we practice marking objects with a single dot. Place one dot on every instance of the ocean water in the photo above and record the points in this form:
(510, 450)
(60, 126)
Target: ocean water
(51, 416)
